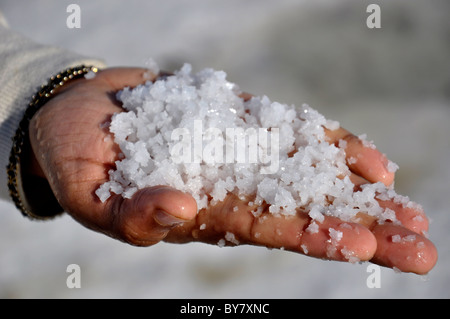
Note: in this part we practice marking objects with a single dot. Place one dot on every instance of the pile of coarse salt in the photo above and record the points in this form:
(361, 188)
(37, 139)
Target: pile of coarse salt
(182, 131)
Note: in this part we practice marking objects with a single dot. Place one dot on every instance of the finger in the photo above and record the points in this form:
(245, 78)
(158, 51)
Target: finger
(411, 216)
(149, 215)
(403, 249)
(245, 96)
(330, 239)
(363, 158)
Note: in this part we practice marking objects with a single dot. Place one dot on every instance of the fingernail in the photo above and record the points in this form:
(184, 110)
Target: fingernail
(165, 219)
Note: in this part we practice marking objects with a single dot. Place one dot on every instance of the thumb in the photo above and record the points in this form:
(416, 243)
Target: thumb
(150, 214)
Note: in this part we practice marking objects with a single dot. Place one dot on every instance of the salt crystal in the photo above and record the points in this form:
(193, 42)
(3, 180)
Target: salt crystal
(103, 192)
(332, 125)
(153, 68)
(405, 239)
(350, 255)
(396, 270)
(231, 238)
(174, 132)
(420, 244)
(316, 214)
(392, 167)
(388, 214)
(304, 248)
(352, 160)
(342, 144)
(346, 225)
(365, 142)
(221, 243)
(202, 226)
(312, 228)
(90, 75)
(335, 235)
(257, 213)
(396, 238)
(409, 238)
(331, 250)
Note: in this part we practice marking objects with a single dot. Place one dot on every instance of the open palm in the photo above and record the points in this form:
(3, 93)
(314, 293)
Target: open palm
(74, 151)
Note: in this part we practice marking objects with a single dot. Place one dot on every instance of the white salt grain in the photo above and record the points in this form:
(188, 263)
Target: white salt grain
(202, 226)
(346, 225)
(396, 270)
(396, 238)
(335, 235)
(350, 255)
(153, 69)
(312, 228)
(405, 239)
(304, 248)
(409, 238)
(352, 160)
(231, 238)
(332, 125)
(331, 250)
(365, 142)
(221, 243)
(173, 132)
(342, 144)
(90, 75)
(392, 167)
(388, 214)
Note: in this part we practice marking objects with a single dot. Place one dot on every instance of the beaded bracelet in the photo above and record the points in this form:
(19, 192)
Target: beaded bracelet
(37, 101)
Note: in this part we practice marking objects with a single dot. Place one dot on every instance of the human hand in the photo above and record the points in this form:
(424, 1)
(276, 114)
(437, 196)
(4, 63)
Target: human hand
(74, 151)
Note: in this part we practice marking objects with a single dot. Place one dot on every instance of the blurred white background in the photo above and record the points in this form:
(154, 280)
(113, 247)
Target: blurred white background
(392, 83)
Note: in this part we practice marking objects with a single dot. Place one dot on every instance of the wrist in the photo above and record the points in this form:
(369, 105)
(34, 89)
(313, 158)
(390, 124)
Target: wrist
(27, 184)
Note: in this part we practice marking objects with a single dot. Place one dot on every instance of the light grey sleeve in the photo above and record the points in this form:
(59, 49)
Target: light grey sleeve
(24, 67)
